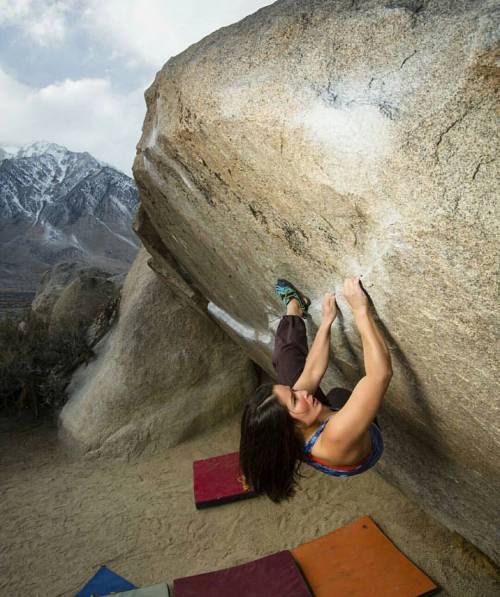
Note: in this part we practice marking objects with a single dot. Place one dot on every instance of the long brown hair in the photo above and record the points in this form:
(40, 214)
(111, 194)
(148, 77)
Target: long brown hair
(271, 447)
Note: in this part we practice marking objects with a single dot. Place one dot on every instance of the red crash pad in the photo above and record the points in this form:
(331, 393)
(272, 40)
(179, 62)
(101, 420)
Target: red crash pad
(276, 575)
(218, 481)
(359, 560)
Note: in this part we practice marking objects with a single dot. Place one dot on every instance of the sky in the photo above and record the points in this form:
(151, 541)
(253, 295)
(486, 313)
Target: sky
(74, 72)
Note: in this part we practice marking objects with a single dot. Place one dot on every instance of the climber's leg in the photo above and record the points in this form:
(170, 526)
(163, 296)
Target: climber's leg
(337, 397)
(293, 308)
(290, 348)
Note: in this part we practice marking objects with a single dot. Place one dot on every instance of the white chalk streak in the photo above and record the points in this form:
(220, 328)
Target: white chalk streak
(358, 130)
(241, 329)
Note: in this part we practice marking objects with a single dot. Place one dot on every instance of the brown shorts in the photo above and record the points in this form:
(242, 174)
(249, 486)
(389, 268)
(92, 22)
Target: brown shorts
(289, 358)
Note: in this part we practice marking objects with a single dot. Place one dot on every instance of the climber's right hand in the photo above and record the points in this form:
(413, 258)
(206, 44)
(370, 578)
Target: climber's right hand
(355, 295)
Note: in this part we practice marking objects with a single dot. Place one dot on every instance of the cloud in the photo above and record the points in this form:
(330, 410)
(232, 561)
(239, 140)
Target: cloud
(149, 32)
(105, 38)
(42, 21)
(142, 32)
(83, 115)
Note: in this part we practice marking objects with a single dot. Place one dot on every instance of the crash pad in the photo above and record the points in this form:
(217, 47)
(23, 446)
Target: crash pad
(275, 575)
(358, 560)
(219, 480)
(160, 590)
(104, 582)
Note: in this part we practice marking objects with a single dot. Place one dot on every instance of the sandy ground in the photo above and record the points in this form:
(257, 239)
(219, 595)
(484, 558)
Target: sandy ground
(62, 517)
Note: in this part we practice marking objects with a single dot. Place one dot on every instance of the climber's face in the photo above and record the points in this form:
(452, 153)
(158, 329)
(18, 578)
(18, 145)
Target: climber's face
(301, 404)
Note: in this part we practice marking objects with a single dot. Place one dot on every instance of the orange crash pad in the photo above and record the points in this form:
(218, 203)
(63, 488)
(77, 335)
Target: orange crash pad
(359, 560)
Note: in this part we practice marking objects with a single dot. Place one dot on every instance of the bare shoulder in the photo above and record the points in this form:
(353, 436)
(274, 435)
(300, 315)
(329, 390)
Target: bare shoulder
(332, 445)
(352, 422)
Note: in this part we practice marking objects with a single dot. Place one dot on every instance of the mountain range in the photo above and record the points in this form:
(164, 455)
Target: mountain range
(59, 205)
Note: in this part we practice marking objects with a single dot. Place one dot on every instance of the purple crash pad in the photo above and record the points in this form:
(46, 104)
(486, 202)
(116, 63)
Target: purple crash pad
(275, 575)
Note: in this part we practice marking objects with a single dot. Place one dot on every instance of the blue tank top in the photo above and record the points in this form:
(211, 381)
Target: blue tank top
(351, 470)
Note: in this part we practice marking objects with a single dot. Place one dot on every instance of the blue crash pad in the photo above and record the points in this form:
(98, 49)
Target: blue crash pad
(104, 582)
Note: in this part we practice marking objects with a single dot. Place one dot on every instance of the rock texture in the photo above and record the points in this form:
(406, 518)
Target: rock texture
(163, 373)
(83, 299)
(69, 294)
(324, 139)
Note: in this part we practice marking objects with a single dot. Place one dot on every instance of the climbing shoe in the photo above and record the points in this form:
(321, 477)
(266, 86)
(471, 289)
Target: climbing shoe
(287, 291)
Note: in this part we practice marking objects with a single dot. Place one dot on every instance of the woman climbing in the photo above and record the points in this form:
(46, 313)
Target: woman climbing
(291, 422)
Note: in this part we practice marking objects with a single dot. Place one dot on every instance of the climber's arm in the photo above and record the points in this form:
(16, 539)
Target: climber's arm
(355, 417)
(317, 359)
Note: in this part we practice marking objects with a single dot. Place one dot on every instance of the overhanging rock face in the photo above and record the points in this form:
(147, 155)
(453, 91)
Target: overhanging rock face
(320, 140)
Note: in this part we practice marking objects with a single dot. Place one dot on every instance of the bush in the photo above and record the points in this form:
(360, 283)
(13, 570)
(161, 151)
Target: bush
(13, 365)
(35, 366)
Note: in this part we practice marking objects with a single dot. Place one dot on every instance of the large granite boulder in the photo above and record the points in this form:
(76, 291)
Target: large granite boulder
(83, 300)
(164, 372)
(52, 283)
(71, 294)
(319, 140)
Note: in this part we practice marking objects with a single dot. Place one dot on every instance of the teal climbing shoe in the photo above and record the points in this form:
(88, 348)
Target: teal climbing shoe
(287, 291)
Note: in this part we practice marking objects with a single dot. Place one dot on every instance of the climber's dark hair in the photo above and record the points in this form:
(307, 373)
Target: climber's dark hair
(271, 447)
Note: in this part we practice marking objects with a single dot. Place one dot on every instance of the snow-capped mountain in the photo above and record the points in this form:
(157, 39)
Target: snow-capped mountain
(60, 205)
(4, 155)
